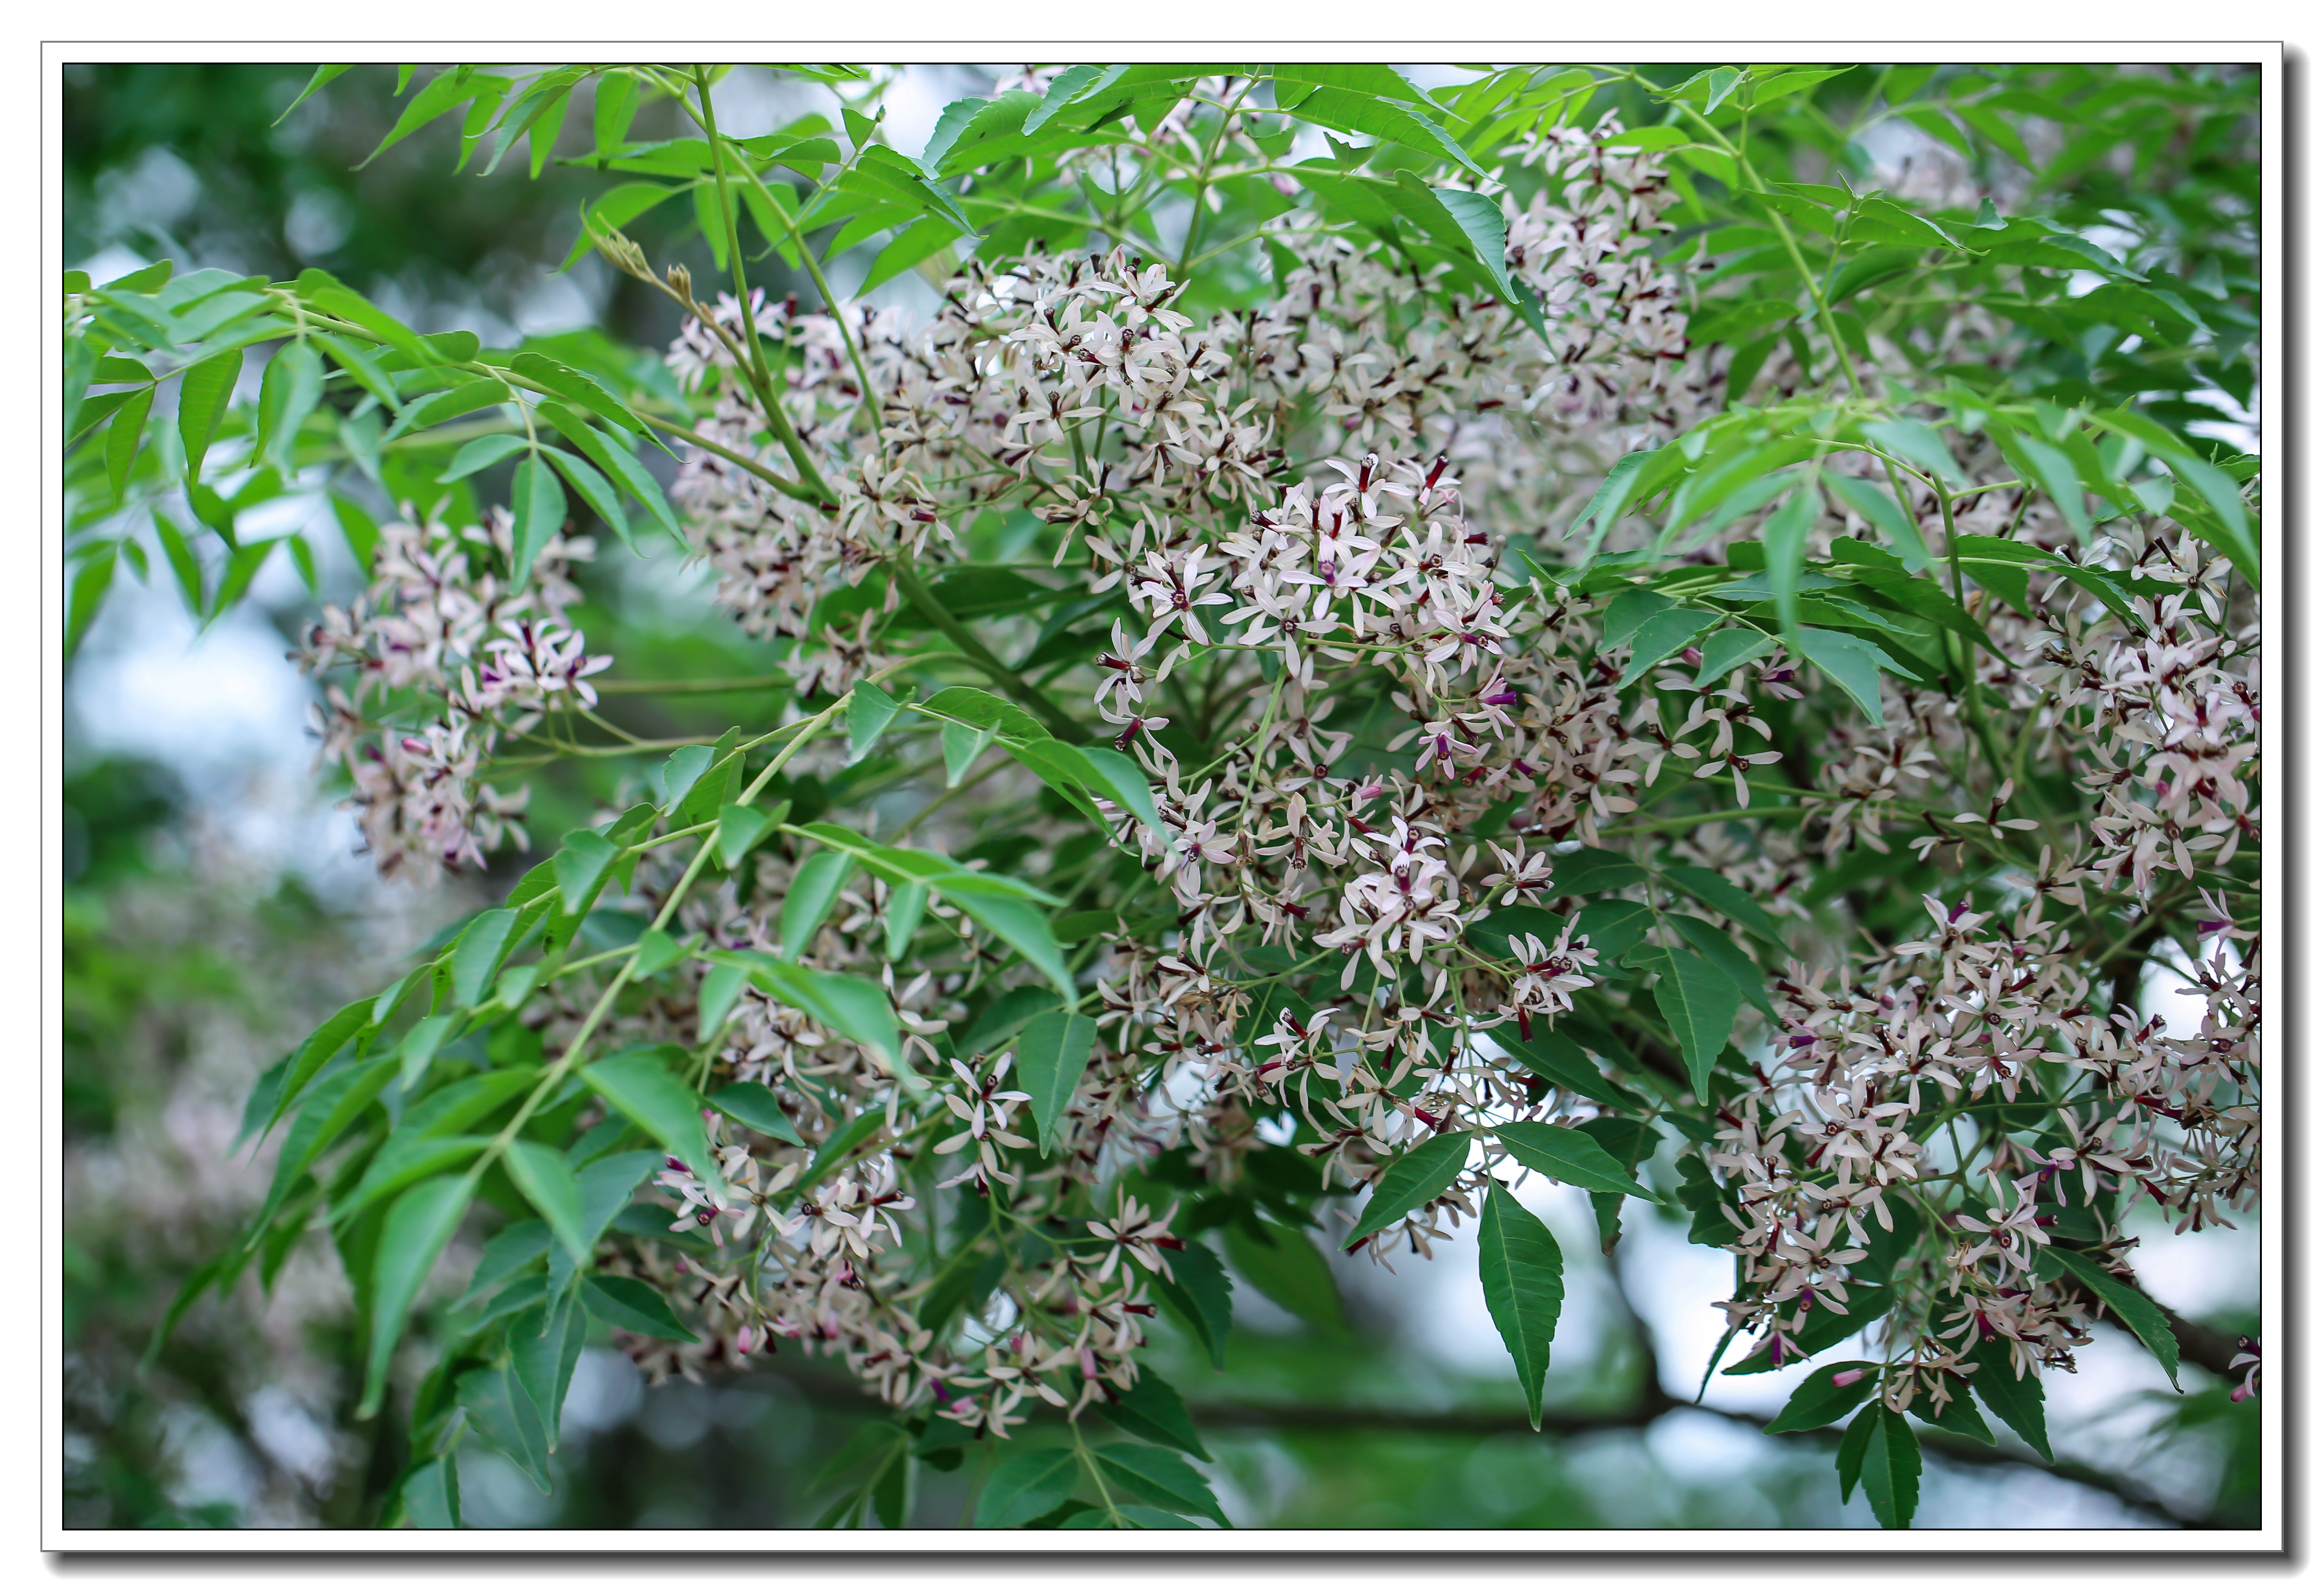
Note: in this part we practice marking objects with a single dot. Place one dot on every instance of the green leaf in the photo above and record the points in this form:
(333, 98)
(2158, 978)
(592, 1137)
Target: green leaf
(480, 453)
(1412, 1180)
(1785, 534)
(183, 563)
(1892, 1467)
(1822, 1400)
(720, 988)
(815, 886)
(1123, 781)
(1728, 958)
(1020, 923)
(1152, 1410)
(1852, 663)
(595, 490)
(606, 1184)
(1483, 225)
(402, 1161)
(1613, 928)
(1662, 634)
(637, 1083)
(1852, 1446)
(633, 1306)
(870, 712)
(742, 828)
(313, 1052)
(584, 860)
(548, 1184)
(908, 248)
(855, 1008)
(1160, 1476)
(2016, 1400)
(433, 411)
(1569, 1156)
(1726, 651)
(1200, 1295)
(203, 395)
(982, 710)
(1700, 1003)
(754, 1106)
(1723, 896)
(1027, 1483)
(1524, 1275)
(123, 436)
(429, 1493)
(420, 1044)
(841, 1148)
(417, 1227)
(1063, 89)
(962, 746)
(2038, 463)
(1350, 112)
(1880, 509)
(492, 1406)
(1625, 483)
(2132, 1308)
(907, 904)
(657, 950)
(1051, 1055)
(1555, 1057)
(1285, 1265)
(1959, 1415)
(539, 505)
(1917, 442)
(615, 460)
(90, 584)
(322, 76)
(544, 1347)
(478, 956)
(446, 92)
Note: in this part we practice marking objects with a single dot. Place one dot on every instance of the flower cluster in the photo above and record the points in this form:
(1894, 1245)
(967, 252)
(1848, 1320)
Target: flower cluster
(441, 641)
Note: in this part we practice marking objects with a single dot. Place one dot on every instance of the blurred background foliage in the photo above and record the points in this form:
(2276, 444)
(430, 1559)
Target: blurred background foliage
(201, 937)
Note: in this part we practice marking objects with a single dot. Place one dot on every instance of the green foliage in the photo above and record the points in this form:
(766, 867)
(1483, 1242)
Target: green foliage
(1785, 557)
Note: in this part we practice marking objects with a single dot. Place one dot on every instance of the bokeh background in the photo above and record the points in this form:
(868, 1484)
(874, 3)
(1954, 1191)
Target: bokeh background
(214, 911)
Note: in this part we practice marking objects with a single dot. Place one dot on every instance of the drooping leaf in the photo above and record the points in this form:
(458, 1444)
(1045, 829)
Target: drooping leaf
(538, 506)
(1161, 1478)
(1829, 1394)
(1412, 1180)
(754, 1106)
(870, 712)
(1027, 1483)
(634, 1306)
(1524, 1276)
(478, 956)
(549, 1184)
(2016, 1400)
(637, 1083)
(2132, 1308)
(203, 394)
(1699, 1002)
(417, 1227)
(1200, 1295)
(1853, 664)
(1151, 1409)
(1051, 1055)
(1283, 1265)
(583, 860)
(1569, 1156)
(1892, 1468)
